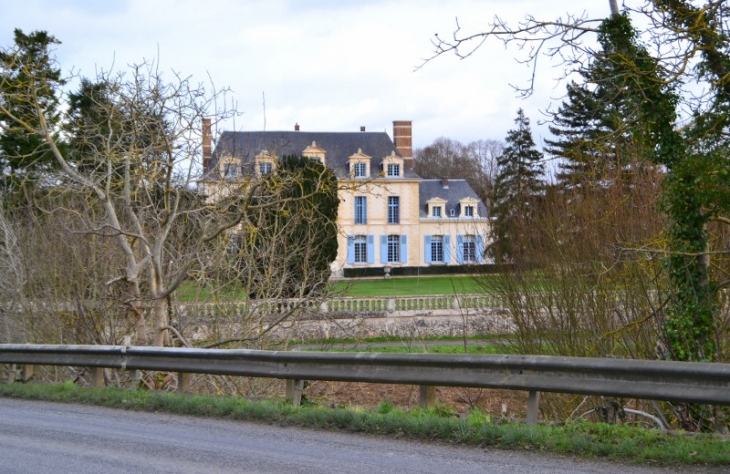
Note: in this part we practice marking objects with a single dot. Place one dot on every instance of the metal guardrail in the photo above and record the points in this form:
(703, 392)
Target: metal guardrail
(648, 379)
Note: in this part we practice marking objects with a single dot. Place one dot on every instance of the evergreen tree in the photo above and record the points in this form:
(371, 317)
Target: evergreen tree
(303, 223)
(27, 66)
(516, 189)
(604, 128)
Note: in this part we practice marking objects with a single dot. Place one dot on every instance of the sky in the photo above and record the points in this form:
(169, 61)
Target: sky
(328, 65)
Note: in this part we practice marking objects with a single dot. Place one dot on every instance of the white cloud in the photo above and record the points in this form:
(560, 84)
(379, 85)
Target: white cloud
(328, 65)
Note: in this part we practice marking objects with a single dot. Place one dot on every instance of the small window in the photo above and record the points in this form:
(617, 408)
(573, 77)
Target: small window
(393, 210)
(470, 249)
(361, 210)
(361, 249)
(265, 168)
(393, 169)
(469, 211)
(393, 248)
(359, 170)
(230, 170)
(452, 212)
(437, 248)
(436, 211)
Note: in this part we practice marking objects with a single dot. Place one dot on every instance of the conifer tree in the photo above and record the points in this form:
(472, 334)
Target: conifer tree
(603, 129)
(27, 65)
(516, 189)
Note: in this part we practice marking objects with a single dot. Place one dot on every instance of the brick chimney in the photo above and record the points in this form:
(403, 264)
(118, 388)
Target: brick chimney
(296, 127)
(206, 144)
(445, 183)
(403, 139)
(362, 128)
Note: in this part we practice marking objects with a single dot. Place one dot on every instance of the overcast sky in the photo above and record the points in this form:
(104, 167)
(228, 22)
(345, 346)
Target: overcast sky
(329, 65)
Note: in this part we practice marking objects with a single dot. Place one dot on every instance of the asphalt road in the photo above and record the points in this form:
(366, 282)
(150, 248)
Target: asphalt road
(41, 437)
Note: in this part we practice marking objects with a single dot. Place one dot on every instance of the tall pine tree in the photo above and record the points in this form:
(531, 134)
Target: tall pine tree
(603, 129)
(516, 190)
(29, 78)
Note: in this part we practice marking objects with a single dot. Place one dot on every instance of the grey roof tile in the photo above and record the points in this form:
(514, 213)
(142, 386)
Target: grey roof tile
(457, 190)
(338, 146)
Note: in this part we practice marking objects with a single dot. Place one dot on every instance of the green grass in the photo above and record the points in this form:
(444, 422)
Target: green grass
(592, 440)
(408, 286)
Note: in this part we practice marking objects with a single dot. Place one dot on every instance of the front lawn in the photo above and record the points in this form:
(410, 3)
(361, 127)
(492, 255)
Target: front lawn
(408, 286)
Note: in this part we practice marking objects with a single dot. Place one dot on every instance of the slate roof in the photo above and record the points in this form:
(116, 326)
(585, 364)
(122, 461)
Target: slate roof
(338, 147)
(458, 189)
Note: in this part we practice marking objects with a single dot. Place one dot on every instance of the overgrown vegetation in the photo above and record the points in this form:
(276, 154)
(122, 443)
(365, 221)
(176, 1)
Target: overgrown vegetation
(591, 440)
(633, 235)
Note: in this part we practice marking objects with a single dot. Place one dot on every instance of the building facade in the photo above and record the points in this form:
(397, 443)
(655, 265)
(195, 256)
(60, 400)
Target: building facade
(388, 215)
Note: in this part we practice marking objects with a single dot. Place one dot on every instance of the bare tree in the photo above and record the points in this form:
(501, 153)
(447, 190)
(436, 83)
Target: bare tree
(12, 277)
(449, 158)
(135, 184)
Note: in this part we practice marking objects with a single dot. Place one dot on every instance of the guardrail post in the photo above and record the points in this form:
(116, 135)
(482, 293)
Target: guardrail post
(427, 395)
(294, 388)
(391, 305)
(533, 406)
(183, 382)
(27, 372)
(97, 376)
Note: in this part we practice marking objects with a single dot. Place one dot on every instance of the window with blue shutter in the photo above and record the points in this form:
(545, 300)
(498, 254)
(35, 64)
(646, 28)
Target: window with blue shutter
(403, 249)
(480, 249)
(371, 248)
(460, 249)
(383, 249)
(350, 249)
(447, 248)
(427, 248)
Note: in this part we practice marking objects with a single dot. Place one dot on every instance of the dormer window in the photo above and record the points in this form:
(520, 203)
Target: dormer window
(359, 164)
(265, 168)
(393, 166)
(229, 168)
(265, 163)
(314, 152)
(359, 170)
(468, 207)
(435, 207)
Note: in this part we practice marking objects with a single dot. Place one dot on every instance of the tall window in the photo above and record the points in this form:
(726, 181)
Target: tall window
(393, 209)
(437, 248)
(470, 248)
(361, 249)
(265, 168)
(359, 170)
(469, 211)
(230, 170)
(361, 210)
(393, 248)
(393, 169)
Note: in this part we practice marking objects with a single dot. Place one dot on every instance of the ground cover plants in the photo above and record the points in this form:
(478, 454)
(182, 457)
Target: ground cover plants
(592, 440)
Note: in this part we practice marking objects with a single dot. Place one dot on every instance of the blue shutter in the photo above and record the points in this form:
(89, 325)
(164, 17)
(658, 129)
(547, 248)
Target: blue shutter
(371, 249)
(460, 248)
(447, 248)
(427, 247)
(480, 249)
(383, 249)
(350, 249)
(403, 249)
